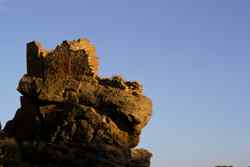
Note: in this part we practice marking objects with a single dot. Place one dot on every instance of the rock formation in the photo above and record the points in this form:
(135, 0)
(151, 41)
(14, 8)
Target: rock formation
(69, 116)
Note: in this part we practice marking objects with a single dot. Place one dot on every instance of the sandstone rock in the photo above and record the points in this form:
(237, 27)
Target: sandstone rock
(140, 158)
(61, 155)
(71, 58)
(66, 106)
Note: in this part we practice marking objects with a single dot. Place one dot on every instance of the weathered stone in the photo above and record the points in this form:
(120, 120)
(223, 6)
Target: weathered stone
(35, 59)
(64, 102)
(43, 154)
(71, 58)
(140, 158)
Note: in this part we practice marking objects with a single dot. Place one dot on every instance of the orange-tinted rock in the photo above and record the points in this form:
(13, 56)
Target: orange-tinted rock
(140, 158)
(71, 58)
(65, 102)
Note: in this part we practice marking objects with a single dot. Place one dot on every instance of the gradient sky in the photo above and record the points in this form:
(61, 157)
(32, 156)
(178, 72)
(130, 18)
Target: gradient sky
(192, 56)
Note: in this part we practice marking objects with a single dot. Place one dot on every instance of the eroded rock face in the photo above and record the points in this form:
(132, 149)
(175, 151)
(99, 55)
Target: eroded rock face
(71, 58)
(65, 103)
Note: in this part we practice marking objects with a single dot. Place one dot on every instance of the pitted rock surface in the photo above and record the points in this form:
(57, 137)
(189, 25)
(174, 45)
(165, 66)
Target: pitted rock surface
(69, 111)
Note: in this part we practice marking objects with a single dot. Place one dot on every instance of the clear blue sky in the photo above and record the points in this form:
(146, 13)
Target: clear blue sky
(192, 56)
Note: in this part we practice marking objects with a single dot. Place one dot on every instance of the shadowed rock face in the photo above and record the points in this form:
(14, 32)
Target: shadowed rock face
(69, 116)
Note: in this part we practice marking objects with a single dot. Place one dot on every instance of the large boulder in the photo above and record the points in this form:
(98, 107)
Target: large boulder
(65, 102)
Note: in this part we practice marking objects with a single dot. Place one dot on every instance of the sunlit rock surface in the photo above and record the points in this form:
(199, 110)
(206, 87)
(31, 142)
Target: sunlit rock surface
(69, 116)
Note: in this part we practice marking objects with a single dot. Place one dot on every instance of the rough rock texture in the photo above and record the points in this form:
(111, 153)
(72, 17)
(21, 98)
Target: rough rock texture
(69, 116)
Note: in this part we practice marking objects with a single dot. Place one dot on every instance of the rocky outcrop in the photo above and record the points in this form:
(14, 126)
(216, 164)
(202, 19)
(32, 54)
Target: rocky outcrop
(69, 116)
